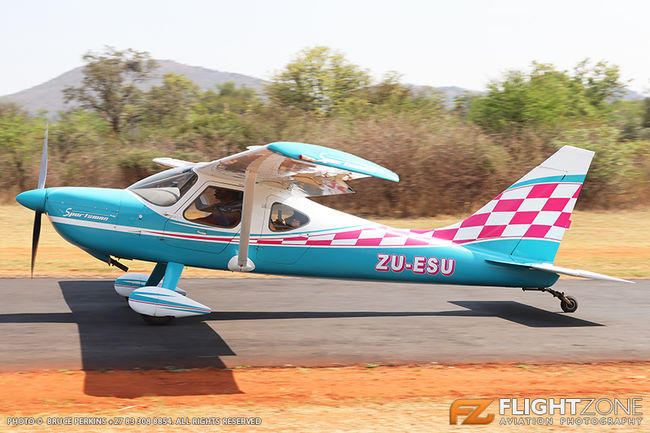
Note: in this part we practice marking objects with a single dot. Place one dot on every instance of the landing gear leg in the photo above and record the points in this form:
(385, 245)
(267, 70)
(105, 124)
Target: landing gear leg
(569, 304)
(157, 274)
(169, 273)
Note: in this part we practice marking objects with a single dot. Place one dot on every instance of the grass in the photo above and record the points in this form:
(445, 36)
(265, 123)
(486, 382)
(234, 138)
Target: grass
(613, 243)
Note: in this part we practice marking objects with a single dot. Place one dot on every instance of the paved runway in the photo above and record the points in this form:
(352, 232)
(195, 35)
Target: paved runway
(84, 324)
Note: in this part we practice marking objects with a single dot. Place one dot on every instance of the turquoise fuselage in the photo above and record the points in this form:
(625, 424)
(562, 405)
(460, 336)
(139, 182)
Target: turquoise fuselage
(114, 222)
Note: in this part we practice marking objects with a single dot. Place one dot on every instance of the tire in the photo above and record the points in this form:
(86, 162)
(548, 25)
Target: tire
(157, 321)
(569, 307)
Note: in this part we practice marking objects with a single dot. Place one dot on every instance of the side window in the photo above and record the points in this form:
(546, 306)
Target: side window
(216, 206)
(284, 218)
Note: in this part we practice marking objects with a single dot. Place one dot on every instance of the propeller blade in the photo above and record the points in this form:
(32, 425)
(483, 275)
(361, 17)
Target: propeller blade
(43, 173)
(36, 234)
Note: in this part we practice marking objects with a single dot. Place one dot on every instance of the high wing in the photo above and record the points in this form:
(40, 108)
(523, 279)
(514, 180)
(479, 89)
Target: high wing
(305, 169)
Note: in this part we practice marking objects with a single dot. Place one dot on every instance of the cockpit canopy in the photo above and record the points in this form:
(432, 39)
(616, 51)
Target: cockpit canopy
(165, 188)
(216, 206)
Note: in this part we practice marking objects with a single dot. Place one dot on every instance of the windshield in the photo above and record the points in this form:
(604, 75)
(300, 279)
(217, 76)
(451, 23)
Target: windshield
(166, 188)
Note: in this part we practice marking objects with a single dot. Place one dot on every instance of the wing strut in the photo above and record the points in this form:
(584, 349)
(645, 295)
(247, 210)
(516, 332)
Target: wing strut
(241, 262)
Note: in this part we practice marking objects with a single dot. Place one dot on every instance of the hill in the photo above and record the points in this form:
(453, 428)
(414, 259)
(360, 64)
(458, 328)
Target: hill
(48, 96)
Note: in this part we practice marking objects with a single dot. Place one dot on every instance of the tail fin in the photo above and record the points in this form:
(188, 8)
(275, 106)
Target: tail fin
(528, 219)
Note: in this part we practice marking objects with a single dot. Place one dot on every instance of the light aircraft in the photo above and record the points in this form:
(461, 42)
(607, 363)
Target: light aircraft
(250, 212)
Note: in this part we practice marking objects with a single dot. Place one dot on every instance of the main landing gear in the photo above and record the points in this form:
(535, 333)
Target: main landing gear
(568, 303)
(156, 297)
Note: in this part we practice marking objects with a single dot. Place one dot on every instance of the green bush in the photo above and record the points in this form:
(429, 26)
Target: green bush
(136, 164)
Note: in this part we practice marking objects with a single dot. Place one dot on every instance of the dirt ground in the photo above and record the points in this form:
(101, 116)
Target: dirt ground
(358, 398)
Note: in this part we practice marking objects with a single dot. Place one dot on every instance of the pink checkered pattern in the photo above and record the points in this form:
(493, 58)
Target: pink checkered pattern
(539, 211)
(373, 236)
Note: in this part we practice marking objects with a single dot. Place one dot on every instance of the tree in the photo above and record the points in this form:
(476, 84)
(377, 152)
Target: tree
(18, 144)
(109, 83)
(390, 91)
(169, 104)
(76, 130)
(546, 97)
(390, 94)
(229, 97)
(627, 117)
(318, 80)
(602, 82)
(646, 115)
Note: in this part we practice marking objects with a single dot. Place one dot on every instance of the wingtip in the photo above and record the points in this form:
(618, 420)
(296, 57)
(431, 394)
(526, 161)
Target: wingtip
(394, 177)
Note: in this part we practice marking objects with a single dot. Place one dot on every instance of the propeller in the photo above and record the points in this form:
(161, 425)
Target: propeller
(36, 232)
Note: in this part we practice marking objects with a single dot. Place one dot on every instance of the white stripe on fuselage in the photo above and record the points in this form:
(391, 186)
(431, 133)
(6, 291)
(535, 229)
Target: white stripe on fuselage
(234, 237)
(143, 231)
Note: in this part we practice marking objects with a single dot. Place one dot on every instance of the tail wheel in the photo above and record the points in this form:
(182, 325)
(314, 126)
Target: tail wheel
(569, 304)
(157, 321)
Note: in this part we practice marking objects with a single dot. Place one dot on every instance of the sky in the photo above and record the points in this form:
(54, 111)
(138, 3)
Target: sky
(461, 43)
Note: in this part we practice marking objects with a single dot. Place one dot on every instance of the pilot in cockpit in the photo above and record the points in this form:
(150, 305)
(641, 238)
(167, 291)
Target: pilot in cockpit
(296, 220)
(222, 206)
(284, 218)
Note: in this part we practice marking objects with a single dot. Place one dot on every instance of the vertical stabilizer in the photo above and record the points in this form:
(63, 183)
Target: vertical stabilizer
(528, 220)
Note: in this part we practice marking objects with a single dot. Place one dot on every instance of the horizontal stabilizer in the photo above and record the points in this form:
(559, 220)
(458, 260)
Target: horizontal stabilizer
(172, 162)
(548, 267)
